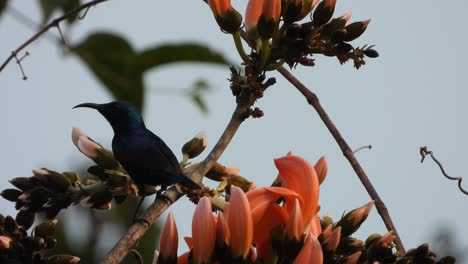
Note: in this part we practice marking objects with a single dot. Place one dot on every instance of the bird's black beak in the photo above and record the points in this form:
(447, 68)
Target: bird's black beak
(89, 105)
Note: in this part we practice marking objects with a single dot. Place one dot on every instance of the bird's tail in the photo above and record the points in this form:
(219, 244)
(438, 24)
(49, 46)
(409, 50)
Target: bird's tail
(187, 182)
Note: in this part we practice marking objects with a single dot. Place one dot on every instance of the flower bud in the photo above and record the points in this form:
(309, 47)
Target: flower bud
(355, 30)
(332, 240)
(371, 53)
(228, 18)
(203, 232)
(321, 169)
(262, 17)
(25, 219)
(240, 182)
(219, 172)
(45, 229)
(11, 194)
(63, 259)
(169, 241)
(57, 182)
(22, 183)
(268, 21)
(353, 220)
(239, 220)
(5, 242)
(195, 146)
(350, 245)
(295, 10)
(98, 200)
(324, 12)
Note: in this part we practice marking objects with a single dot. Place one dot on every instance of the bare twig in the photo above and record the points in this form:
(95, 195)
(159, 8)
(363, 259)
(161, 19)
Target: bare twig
(424, 152)
(313, 100)
(137, 230)
(369, 147)
(18, 61)
(46, 28)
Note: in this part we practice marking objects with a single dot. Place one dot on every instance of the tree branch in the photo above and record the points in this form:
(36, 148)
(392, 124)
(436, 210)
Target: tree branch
(137, 230)
(53, 23)
(313, 100)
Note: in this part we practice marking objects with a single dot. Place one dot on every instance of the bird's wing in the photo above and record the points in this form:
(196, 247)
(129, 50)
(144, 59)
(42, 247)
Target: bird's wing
(159, 144)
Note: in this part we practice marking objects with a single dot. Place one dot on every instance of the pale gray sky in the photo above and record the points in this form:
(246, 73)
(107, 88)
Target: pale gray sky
(414, 94)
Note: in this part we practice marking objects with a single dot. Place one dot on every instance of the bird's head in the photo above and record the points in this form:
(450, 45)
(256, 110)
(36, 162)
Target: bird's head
(122, 116)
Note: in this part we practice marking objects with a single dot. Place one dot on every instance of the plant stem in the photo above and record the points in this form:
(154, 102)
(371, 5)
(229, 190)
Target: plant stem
(239, 47)
(313, 100)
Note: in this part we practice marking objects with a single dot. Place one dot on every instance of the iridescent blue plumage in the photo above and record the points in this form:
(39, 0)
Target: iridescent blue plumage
(146, 158)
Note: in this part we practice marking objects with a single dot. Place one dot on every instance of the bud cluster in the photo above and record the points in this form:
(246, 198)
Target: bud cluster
(49, 191)
(16, 246)
(277, 32)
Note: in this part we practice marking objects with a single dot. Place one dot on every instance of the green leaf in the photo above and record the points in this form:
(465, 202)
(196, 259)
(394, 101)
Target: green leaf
(196, 94)
(112, 59)
(171, 53)
(3, 4)
(49, 6)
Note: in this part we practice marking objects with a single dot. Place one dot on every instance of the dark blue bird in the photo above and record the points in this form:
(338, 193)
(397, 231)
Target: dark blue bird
(146, 158)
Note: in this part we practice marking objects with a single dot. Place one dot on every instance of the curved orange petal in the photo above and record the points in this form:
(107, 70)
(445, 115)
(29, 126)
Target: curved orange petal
(311, 252)
(271, 9)
(266, 212)
(321, 169)
(239, 220)
(223, 236)
(252, 13)
(298, 175)
(219, 7)
(314, 226)
(203, 231)
(295, 224)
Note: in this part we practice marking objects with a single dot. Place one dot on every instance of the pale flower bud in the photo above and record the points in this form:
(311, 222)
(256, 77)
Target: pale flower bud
(195, 146)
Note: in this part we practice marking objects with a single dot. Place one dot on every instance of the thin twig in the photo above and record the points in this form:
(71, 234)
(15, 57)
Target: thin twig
(46, 28)
(313, 100)
(18, 61)
(137, 230)
(369, 147)
(424, 152)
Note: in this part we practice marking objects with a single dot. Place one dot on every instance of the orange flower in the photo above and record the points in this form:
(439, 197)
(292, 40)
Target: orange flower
(239, 220)
(269, 10)
(169, 241)
(227, 17)
(311, 252)
(267, 213)
(203, 232)
(298, 175)
(272, 9)
(253, 13)
(219, 7)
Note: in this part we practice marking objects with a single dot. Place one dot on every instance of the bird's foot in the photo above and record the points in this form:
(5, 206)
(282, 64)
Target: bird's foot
(142, 221)
(164, 198)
